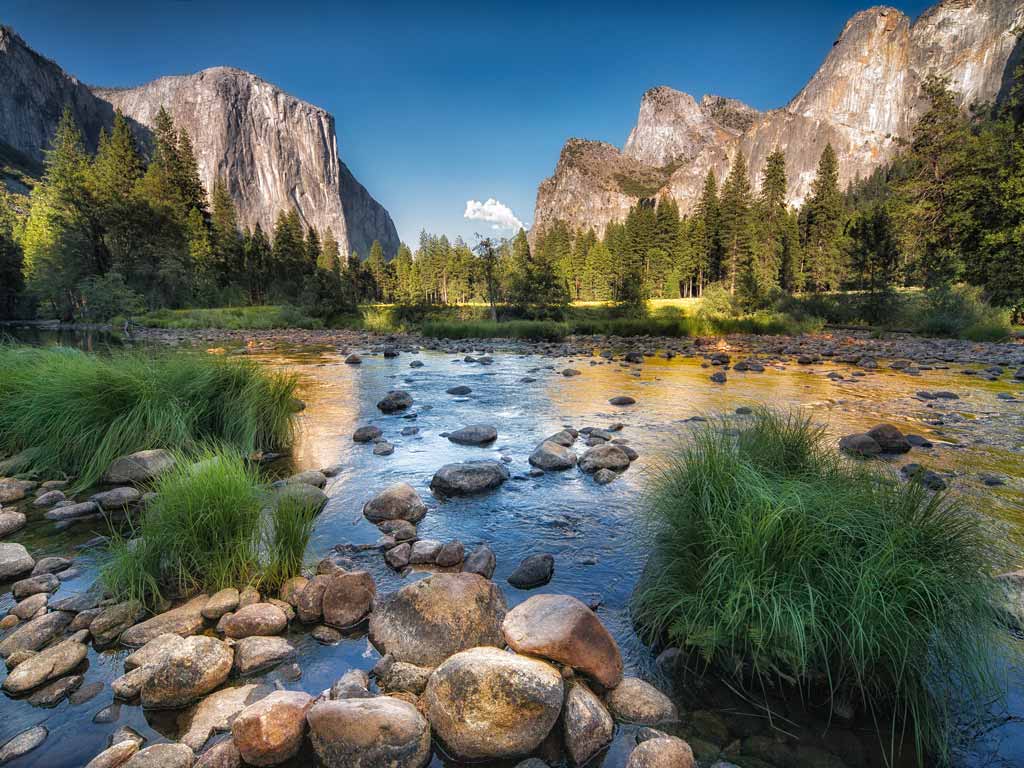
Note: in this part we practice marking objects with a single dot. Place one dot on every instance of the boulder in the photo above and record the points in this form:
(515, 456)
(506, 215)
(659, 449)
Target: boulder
(11, 521)
(354, 684)
(115, 619)
(533, 571)
(51, 564)
(353, 359)
(300, 495)
(139, 467)
(484, 703)
(52, 694)
(48, 499)
(73, 511)
(12, 490)
(153, 651)
(394, 401)
(587, 726)
(889, 439)
(563, 629)
(115, 756)
(186, 619)
(117, 498)
(256, 619)
(604, 456)
(271, 731)
(375, 732)
(15, 561)
(35, 585)
(474, 434)
(290, 590)
(480, 561)
(622, 400)
(398, 502)
(462, 389)
(347, 598)
(30, 606)
(549, 455)
(402, 677)
(162, 756)
(54, 662)
(366, 434)
(634, 701)
(398, 557)
(427, 621)
(254, 654)
(191, 670)
(23, 743)
(224, 601)
(214, 714)
(605, 476)
(469, 478)
(424, 551)
(309, 605)
(36, 633)
(313, 477)
(221, 755)
(662, 752)
(450, 555)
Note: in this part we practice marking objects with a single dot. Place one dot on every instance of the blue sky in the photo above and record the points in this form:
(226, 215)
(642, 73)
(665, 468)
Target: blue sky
(438, 104)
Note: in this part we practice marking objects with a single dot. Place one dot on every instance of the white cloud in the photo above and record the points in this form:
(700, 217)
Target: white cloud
(498, 214)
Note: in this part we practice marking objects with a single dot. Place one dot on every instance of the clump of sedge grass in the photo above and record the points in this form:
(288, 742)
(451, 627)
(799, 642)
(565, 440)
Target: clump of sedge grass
(287, 535)
(80, 411)
(781, 563)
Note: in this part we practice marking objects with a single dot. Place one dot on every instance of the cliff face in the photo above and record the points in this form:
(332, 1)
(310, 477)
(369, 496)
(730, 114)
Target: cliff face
(863, 100)
(273, 151)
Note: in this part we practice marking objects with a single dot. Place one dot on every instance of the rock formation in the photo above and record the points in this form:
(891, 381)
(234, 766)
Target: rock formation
(863, 99)
(273, 150)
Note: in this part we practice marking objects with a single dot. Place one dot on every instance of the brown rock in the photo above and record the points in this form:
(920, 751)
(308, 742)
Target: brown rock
(54, 662)
(115, 756)
(188, 672)
(399, 502)
(224, 601)
(310, 601)
(256, 619)
(184, 620)
(162, 756)
(635, 701)
(369, 733)
(661, 752)
(271, 730)
(221, 755)
(347, 598)
(257, 653)
(587, 726)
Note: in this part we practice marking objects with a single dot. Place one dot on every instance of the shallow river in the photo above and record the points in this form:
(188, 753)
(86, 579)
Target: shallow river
(595, 533)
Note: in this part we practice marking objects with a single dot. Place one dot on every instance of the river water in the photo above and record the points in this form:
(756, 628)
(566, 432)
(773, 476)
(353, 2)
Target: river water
(595, 533)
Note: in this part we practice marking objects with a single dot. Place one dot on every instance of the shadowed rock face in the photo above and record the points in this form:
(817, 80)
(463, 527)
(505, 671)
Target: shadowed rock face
(274, 151)
(863, 99)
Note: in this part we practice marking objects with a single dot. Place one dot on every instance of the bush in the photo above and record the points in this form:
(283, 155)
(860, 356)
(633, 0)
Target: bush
(960, 312)
(778, 561)
(79, 411)
(102, 298)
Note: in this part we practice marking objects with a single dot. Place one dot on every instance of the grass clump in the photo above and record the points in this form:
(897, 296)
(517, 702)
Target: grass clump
(77, 412)
(233, 318)
(286, 538)
(781, 564)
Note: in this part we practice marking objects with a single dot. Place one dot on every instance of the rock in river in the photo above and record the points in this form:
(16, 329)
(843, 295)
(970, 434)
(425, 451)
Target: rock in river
(399, 502)
(139, 467)
(271, 731)
(889, 439)
(469, 478)
(366, 434)
(394, 401)
(481, 561)
(604, 456)
(859, 445)
(162, 756)
(427, 621)
(36, 633)
(474, 434)
(256, 619)
(622, 400)
(253, 654)
(11, 521)
(587, 725)
(563, 629)
(662, 752)
(484, 703)
(14, 561)
(184, 620)
(369, 733)
(23, 743)
(347, 598)
(188, 672)
(634, 701)
(552, 456)
(55, 661)
(534, 571)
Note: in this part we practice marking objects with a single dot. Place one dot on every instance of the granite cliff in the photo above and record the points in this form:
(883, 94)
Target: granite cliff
(864, 99)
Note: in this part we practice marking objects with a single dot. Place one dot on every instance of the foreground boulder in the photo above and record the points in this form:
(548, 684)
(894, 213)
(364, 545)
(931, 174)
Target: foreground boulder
(256, 619)
(563, 629)
(469, 478)
(253, 654)
(162, 756)
(588, 727)
(394, 401)
(399, 502)
(375, 732)
(271, 731)
(634, 701)
(15, 561)
(662, 752)
(49, 664)
(485, 703)
(36, 633)
(11, 521)
(550, 456)
(115, 756)
(347, 598)
(534, 571)
(139, 467)
(604, 456)
(427, 621)
(191, 670)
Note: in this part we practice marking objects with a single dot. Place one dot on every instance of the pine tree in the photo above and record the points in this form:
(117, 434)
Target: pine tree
(225, 236)
(405, 276)
(771, 219)
(193, 195)
(599, 273)
(313, 249)
(735, 222)
(258, 257)
(823, 243)
(378, 268)
(487, 253)
(288, 258)
(707, 234)
(536, 289)
(12, 281)
(111, 181)
(329, 257)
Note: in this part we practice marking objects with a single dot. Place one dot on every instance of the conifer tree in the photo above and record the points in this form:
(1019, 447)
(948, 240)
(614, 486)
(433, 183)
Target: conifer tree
(12, 281)
(706, 234)
(329, 258)
(735, 223)
(405, 275)
(823, 244)
(288, 257)
(258, 257)
(378, 269)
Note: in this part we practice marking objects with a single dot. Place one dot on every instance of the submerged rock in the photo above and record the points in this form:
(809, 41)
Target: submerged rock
(49, 664)
(469, 478)
(23, 743)
(534, 571)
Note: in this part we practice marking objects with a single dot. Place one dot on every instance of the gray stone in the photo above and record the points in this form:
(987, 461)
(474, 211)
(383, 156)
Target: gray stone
(398, 502)
(474, 434)
(23, 743)
(369, 733)
(139, 467)
(480, 561)
(552, 456)
(469, 478)
(117, 498)
(14, 561)
(533, 571)
(394, 401)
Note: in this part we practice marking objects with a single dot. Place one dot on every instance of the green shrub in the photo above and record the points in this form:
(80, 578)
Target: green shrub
(779, 562)
(960, 312)
(103, 298)
(80, 411)
(266, 317)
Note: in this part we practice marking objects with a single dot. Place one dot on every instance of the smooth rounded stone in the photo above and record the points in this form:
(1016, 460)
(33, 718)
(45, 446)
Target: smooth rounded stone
(48, 499)
(719, 377)
(53, 662)
(622, 400)
(271, 731)
(366, 434)
(191, 670)
(253, 654)
(224, 601)
(401, 530)
(221, 755)
(408, 431)
(661, 752)
(450, 554)
(117, 498)
(30, 606)
(109, 714)
(129, 685)
(398, 502)
(930, 479)
(889, 439)
(300, 495)
(72, 511)
(563, 629)
(354, 684)
(139, 467)
(255, 619)
(11, 521)
(917, 441)
(401, 676)
(115, 756)
(12, 490)
(394, 401)
(36, 633)
(51, 564)
(34, 585)
(474, 721)
(480, 561)
(424, 552)
(474, 434)
(127, 733)
(86, 693)
(605, 476)
(383, 449)
(353, 359)
(115, 619)
(634, 701)
(369, 733)
(469, 478)
(348, 598)
(605, 456)
(533, 571)
(570, 372)
(460, 389)
(54, 693)
(23, 743)
(427, 621)
(324, 634)
(565, 438)
(313, 477)
(588, 728)
(551, 456)
(309, 604)
(290, 590)
(162, 756)
(398, 557)
(186, 619)
(416, 364)
(861, 445)
(14, 561)
(9, 621)
(248, 596)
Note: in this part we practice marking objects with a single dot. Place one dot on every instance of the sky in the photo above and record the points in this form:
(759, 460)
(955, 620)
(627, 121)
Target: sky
(452, 113)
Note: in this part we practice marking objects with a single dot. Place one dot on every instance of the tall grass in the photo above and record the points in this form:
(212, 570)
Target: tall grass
(781, 563)
(233, 318)
(285, 540)
(80, 411)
